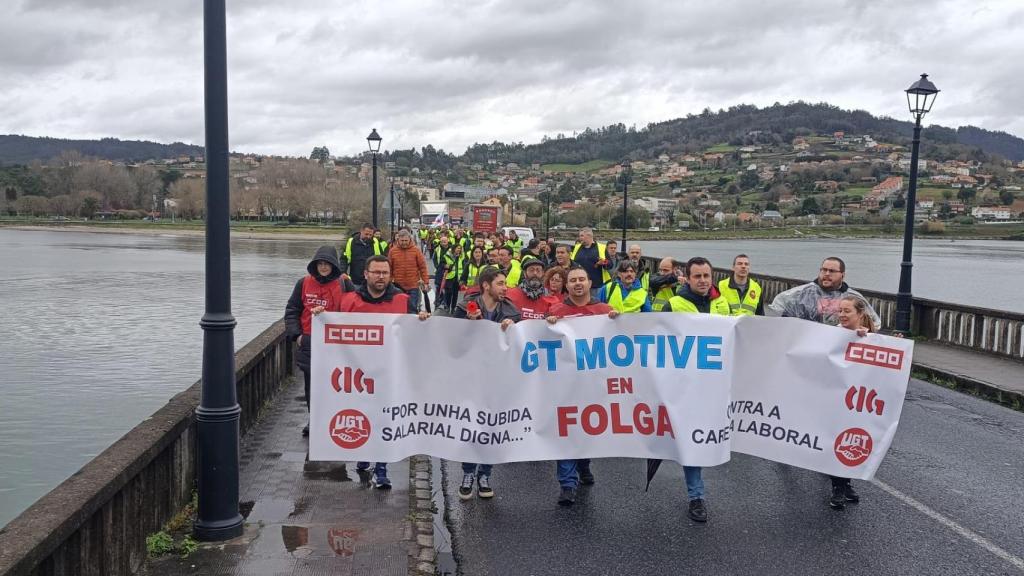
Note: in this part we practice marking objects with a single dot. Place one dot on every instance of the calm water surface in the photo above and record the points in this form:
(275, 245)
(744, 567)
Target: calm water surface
(100, 330)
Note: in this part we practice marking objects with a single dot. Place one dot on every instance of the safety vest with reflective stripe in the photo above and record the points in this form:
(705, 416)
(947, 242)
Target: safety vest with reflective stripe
(748, 305)
(515, 270)
(378, 249)
(453, 266)
(679, 304)
(633, 302)
(474, 271)
(660, 301)
(605, 276)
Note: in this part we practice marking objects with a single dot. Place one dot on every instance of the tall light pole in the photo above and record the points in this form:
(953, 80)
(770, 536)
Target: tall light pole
(625, 195)
(512, 204)
(374, 141)
(392, 231)
(920, 97)
(218, 411)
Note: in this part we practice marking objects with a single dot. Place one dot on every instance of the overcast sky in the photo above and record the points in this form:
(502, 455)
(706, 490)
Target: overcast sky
(303, 74)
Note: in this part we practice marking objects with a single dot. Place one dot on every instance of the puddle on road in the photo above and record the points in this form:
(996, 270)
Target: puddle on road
(446, 565)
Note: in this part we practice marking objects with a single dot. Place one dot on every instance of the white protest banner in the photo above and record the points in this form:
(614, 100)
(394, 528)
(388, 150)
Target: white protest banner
(815, 396)
(688, 388)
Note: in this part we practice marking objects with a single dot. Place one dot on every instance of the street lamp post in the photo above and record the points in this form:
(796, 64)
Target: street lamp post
(218, 411)
(920, 97)
(512, 204)
(392, 210)
(374, 142)
(625, 203)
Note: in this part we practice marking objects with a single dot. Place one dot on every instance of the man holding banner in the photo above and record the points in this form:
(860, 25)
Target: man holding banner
(830, 301)
(490, 304)
(377, 295)
(697, 297)
(572, 473)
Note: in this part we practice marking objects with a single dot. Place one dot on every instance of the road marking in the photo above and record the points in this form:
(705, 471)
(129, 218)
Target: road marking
(952, 525)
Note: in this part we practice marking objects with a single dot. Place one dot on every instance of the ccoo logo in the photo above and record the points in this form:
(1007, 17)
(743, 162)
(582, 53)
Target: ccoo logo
(354, 334)
(874, 355)
(350, 428)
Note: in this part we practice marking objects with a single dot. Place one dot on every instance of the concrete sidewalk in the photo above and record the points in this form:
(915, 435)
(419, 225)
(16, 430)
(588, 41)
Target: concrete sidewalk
(315, 517)
(997, 379)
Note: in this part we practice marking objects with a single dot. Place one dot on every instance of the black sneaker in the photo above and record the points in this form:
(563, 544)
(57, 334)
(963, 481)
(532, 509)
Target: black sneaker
(365, 476)
(586, 476)
(305, 431)
(567, 497)
(850, 494)
(838, 499)
(698, 512)
(466, 489)
(483, 486)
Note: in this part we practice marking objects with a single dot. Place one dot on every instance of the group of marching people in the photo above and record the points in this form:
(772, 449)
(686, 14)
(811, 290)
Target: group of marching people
(495, 278)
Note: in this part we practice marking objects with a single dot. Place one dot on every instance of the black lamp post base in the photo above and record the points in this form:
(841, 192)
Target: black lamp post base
(220, 530)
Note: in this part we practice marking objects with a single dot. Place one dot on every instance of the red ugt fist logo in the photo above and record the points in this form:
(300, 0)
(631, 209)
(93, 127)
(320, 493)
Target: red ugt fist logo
(853, 446)
(350, 428)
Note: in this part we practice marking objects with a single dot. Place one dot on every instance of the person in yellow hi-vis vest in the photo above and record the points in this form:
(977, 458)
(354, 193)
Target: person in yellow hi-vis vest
(743, 293)
(356, 250)
(512, 269)
(698, 296)
(593, 258)
(626, 294)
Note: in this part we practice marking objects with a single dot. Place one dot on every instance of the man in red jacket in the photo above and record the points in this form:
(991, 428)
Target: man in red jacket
(572, 473)
(319, 289)
(377, 295)
(529, 295)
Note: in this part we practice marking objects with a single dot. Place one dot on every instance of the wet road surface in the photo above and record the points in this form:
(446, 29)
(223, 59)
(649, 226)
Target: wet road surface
(947, 500)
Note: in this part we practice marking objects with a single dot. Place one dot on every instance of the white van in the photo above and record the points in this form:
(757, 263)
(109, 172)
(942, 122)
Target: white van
(524, 234)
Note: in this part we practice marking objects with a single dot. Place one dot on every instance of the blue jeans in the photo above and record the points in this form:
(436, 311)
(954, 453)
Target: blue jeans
(568, 472)
(694, 482)
(379, 469)
(478, 469)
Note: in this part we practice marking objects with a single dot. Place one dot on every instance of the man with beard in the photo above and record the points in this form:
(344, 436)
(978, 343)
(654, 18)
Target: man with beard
(490, 304)
(818, 301)
(572, 473)
(377, 295)
(528, 297)
(635, 254)
(625, 293)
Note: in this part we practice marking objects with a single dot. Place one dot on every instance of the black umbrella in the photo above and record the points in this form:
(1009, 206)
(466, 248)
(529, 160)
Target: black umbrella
(426, 300)
(652, 469)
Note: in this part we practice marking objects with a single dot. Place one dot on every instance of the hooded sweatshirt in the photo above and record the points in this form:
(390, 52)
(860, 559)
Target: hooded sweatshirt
(314, 290)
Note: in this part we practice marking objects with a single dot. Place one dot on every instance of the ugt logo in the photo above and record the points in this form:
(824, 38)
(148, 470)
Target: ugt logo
(350, 428)
(874, 355)
(861, 398)
(853, 446)
(354, 334)
(353, 380)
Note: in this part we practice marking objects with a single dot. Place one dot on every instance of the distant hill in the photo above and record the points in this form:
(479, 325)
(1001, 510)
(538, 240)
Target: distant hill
(16, 149)
(744, 124)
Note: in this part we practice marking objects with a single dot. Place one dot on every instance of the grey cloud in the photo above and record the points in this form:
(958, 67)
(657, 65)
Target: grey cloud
(451, 73)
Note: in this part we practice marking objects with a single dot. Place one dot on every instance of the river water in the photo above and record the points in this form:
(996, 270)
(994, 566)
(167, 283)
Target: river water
(100, 330)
